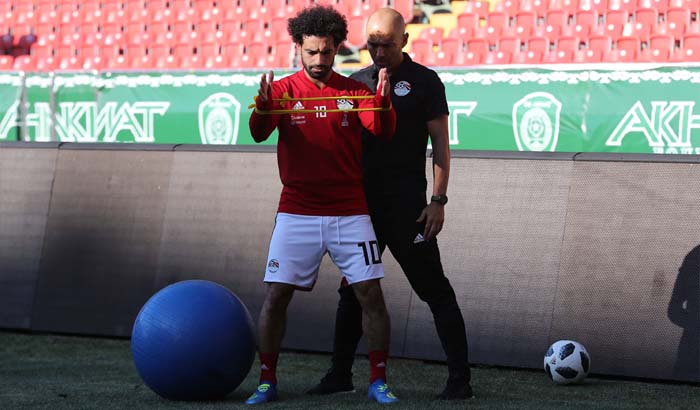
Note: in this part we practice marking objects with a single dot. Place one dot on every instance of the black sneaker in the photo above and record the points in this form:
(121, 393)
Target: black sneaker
(456, 391)
(333, 382)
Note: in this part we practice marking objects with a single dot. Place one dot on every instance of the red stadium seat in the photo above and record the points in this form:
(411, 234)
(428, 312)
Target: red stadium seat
(569, 6)
(599, 6)
(510, 44)
(183, 50)
(527, 57)
(540, 44)
(461, 33)
(452, 46)
(231, 49)
(654, 55)
(283, 53)
(74, 63)
(497, 58)
(509, 7)
(183, 32)
(539, 7)
(551, 32)
(165, 63)
(132, 52)
(497, 20)
(527, 20)
(6, 62)
(489, 33)
(216, 63)
(46, 64)
(207, 31)
(405, 7)
(92, 63)
(600, 43)
(639, 30)
(278, 26)
(613, 31)
(617, 17)
(626, 5)
(587, 18)
(677, 19)
(41, 52)
(559, 18)
(23, 63)
(421, 47)
(478, 46)
(156, 51)
(191, 62)
(692, 41)
(480, 8)
(468, 59)
(568, 43)
(662, 42)
(686, 55)
(433, 34)
(559, 57)
(468, 20)
(659, 5)
(206, 50)
(588, 56)
(647, 16)
(630, 44)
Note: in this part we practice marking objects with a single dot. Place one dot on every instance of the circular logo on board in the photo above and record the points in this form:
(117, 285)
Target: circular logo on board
(218, 119)
(402, 88)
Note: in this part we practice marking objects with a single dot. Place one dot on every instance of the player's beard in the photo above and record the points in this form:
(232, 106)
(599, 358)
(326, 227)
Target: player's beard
(318, 71)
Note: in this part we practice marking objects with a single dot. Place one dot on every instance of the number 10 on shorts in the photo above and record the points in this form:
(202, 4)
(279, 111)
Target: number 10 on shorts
(371, 252)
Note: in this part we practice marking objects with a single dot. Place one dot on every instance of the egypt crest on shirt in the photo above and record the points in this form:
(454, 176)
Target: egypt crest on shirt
(344, 104)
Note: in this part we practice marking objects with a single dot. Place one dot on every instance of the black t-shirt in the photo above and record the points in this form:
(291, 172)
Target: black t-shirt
(418, 96)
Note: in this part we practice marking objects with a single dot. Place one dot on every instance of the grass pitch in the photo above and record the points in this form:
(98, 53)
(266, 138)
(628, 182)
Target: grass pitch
(52, 372)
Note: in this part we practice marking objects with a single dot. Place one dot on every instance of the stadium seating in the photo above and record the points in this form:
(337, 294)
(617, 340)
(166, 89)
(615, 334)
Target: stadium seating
(195, 34)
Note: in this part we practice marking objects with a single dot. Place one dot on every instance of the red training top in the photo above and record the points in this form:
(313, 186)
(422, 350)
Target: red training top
(320, 154)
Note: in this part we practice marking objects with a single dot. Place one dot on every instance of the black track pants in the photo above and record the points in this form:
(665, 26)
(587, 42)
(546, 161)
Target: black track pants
(394, 221)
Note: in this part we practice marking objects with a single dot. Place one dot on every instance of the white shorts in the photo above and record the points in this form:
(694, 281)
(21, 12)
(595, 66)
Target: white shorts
(299, 242)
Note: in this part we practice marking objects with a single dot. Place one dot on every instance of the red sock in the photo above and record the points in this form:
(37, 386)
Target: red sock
(377, 365)
(268, 367)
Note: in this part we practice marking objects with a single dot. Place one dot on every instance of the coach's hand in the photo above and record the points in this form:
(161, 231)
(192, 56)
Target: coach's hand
(434, 217)
(265, 90)
(384, 82)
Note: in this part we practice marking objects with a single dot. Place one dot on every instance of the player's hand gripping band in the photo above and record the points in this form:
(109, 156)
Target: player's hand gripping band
(286, 99)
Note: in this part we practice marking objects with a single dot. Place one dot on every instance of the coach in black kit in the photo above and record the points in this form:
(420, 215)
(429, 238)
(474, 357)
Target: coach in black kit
(395, 185)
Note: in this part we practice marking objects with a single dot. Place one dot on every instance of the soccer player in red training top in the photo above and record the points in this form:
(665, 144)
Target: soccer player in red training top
(395, 185)
(322, 206)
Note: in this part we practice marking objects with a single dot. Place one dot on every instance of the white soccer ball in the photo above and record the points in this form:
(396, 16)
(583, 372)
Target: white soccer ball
(566, 362)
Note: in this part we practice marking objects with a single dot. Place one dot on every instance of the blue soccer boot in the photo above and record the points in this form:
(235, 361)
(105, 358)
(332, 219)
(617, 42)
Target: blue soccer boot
(379, 392)
(265, 392)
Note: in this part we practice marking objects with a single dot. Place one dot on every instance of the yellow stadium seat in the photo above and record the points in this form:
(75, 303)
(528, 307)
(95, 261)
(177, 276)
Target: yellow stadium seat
(365, 58)
(413, 31)
(458, 7)
(446, 21)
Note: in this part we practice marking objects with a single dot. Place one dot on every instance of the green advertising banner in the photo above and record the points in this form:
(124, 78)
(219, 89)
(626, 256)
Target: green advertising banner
(10, 97)
(626, 111)
(646, 110)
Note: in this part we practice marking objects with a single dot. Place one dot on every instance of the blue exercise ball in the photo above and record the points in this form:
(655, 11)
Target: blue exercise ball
(193, 340)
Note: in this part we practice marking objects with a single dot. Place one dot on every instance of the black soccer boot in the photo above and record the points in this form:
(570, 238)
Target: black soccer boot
(335, 381)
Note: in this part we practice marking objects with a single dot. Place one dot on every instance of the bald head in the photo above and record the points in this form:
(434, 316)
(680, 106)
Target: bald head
(386, 36)
(386, 21)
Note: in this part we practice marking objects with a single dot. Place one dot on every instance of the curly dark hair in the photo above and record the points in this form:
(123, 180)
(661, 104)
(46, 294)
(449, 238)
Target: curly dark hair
(320, 21)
